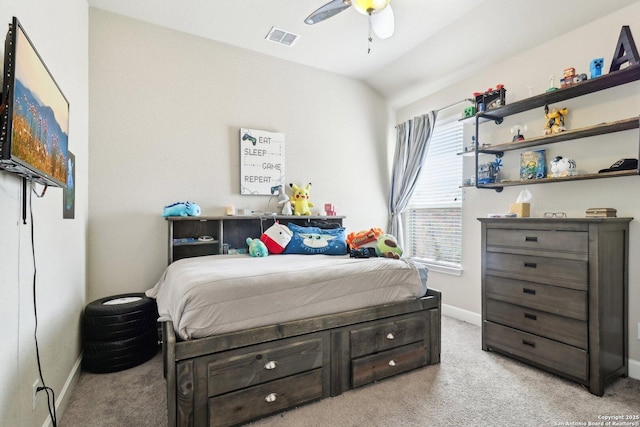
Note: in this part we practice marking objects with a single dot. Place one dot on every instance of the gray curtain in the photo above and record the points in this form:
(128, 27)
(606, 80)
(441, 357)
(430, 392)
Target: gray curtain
(412, 144)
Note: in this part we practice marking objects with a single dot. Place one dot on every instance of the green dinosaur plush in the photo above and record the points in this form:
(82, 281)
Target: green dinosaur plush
(257, 247)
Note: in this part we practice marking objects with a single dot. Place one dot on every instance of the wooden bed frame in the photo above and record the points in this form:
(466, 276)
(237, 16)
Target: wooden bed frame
(233, 378)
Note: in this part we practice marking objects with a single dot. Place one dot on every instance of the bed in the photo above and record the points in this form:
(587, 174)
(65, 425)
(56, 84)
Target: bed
(245, 337)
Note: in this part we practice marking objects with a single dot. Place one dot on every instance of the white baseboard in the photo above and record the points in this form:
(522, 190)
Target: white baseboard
(67, 390)
(634, 369)
(460, 314)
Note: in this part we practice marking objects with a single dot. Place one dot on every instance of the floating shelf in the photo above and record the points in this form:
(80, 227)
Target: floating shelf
(600, 129)
(501, 184)
(605, 81)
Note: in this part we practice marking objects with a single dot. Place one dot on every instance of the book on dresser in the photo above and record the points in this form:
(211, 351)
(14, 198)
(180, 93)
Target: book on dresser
(554, 295)
(600, 213)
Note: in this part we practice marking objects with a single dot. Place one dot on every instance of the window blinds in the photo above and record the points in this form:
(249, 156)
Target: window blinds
(434, 216)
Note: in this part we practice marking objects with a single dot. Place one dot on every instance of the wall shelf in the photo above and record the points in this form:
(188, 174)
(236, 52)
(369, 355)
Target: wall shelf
(227, 232)
(600, 129)
(616, 78)
(501, 184)
(613, 79)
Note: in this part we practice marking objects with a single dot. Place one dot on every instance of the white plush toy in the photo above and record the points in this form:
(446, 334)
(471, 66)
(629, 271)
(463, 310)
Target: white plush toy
(560, 167)
(276, 238)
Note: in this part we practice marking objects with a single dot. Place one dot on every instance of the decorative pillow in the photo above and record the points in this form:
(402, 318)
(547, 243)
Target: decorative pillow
(276, 238)
(315, 240)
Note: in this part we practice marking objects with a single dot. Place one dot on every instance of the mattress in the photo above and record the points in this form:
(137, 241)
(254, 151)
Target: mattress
(210, 295)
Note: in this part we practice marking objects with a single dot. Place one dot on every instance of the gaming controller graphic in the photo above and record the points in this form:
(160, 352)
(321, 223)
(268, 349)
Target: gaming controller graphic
(250, 138)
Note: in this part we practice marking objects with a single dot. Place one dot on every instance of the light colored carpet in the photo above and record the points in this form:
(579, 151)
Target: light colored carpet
(469, 387)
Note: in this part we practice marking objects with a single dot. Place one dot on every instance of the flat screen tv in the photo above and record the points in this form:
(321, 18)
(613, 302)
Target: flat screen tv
(34, 117)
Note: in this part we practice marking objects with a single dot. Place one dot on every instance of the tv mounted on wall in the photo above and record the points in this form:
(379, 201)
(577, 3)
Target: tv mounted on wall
(34, 115)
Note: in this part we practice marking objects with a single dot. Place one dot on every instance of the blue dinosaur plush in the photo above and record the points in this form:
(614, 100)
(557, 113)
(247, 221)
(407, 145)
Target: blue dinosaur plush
(182, 209)
(257, 247)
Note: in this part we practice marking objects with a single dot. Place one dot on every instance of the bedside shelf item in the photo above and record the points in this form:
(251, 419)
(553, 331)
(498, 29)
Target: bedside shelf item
(607, 81)
(555, 295)
(189, 235)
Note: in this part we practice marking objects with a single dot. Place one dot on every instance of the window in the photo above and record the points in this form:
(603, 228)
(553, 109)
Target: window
(433, 219)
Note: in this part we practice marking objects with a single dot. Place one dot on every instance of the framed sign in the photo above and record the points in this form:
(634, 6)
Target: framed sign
(261, 161)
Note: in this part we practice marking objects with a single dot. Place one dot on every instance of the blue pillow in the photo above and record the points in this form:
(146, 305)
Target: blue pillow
(315, 240)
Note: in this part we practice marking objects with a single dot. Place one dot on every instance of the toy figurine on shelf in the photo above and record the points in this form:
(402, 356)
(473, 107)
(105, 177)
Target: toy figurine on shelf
(488, 172)
(570, 77)
(552, 87)
(469, 112)
(555, 120)
(561, 167)
(472, 144)
(491, 98)
(596, 67)
(517, 128)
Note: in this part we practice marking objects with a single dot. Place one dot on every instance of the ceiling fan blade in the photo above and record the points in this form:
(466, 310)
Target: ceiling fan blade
(383, 23)
(327, 11)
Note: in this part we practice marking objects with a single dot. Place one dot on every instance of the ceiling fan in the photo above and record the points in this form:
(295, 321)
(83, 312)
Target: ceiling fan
(381, 19)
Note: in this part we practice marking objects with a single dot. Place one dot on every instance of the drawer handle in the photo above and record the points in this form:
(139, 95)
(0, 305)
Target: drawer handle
(531, 316)
(392, 362)
(390, 336)
(271, 397)
(530, 264)
(529, 343)
(531, 238)
(270, 365)
(529, 291)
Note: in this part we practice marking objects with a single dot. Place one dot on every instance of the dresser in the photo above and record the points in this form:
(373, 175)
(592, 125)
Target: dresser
(554, 295)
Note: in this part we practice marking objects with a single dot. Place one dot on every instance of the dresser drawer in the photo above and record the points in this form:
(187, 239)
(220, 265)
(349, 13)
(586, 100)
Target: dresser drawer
(553, 355)
(254, 402)
(537, 240)
(554, 271)
(249, 368)
(558, 328)
(368, 369)
(552, 299)
(386, 335)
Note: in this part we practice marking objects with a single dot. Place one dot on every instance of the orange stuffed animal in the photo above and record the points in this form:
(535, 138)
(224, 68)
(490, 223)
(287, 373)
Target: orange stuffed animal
(361, 238)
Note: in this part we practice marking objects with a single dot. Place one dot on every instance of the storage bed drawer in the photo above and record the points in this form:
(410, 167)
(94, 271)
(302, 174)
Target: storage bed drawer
(558, 328)
(383, 336)
(247, 368)
(241, 406)
(559, 357)
(552, 299)
(368, 369)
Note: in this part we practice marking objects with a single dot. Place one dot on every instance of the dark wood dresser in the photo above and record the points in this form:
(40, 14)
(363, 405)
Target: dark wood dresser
(554, 295)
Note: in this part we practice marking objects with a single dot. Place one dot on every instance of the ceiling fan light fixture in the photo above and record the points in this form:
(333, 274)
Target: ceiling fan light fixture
(369, 7)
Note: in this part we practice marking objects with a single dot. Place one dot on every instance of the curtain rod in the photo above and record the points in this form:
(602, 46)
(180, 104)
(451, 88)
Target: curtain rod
(452, 105)
(456, 103)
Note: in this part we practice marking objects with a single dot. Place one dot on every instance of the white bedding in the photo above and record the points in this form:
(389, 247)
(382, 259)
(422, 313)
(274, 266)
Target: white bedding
(215, 294)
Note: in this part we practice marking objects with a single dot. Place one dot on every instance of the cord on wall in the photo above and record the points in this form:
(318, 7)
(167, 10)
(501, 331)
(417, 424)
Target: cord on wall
(51, 397)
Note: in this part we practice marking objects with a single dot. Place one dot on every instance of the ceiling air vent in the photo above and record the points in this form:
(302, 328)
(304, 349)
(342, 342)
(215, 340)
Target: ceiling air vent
(281, 36)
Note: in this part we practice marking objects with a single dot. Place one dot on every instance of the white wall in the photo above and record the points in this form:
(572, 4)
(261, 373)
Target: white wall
(575, 49)
(166, 109)
(59, 31)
